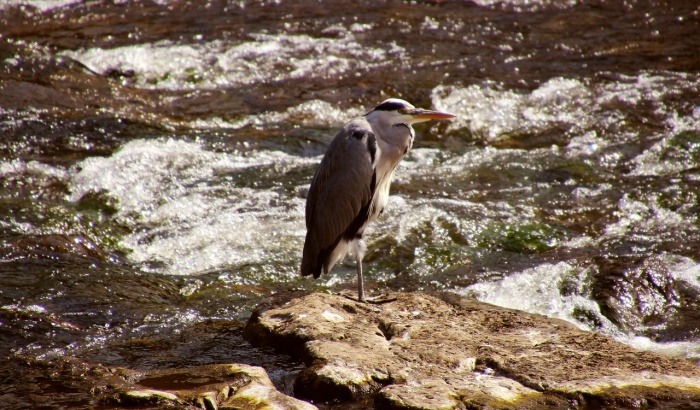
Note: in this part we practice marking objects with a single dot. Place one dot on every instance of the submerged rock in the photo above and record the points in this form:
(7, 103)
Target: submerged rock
(426, 352)
(220, 386)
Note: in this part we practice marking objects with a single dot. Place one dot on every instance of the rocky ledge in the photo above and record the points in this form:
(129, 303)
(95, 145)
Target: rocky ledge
(418, 351)
(219, 386)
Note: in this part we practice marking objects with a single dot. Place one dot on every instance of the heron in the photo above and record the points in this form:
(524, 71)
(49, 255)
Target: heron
(351, 186)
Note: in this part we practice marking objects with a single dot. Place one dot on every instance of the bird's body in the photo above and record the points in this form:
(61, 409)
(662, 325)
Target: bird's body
(351, 186)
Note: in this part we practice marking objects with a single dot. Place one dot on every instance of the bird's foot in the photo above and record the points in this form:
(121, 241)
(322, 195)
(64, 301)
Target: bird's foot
(374, 300)
(380, 299)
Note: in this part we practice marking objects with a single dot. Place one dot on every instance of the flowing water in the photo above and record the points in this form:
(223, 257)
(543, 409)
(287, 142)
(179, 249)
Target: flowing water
(155, 157)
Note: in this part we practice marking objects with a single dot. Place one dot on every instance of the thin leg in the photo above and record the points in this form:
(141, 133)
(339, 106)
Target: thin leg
(360, 281)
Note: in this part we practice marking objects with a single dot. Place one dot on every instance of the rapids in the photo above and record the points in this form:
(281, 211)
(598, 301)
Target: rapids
(155, 157)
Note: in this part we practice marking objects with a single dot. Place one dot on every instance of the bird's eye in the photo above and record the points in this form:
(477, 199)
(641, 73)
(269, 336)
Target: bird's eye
(403, 111)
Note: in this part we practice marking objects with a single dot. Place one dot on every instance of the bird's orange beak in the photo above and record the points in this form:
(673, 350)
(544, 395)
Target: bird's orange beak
(420, 115)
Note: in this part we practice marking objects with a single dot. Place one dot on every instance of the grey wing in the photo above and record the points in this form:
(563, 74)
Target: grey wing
(340, 195)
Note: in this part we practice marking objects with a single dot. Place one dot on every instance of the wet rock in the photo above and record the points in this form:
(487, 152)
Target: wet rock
(70, 382)
(221, 386)
(68, 245)
(447, 352)
(148, 397)
(654, 295)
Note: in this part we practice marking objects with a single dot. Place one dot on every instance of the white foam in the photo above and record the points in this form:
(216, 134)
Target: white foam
(560, 291)
(311, 114)
(185, 215)
(655, 161)
(41, 5)
(688, 350)
(22, 308)
(529, 5)
(492, 113)
(636, 217)
(538, 290)
(584, 145)
(188, 218)
(409, 214)
(32, 169)
(166, 65)
(575, 106)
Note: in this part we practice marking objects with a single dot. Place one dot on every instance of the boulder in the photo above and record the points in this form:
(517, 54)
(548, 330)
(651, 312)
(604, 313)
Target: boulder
(219, 386)
(419, 351)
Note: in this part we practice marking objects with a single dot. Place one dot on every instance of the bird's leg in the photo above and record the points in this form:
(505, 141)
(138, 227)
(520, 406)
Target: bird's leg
(359, 250)
(360, 281)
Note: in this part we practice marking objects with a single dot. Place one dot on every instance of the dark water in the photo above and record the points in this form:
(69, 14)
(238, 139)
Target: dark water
(155, 155)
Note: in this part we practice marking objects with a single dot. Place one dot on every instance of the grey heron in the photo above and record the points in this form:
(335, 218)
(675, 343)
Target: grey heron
(351, 186)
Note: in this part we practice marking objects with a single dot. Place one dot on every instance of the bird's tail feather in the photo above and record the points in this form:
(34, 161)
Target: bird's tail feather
(311, 261)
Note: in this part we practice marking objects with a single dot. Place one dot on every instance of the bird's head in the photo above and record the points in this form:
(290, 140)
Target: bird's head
(397, 111)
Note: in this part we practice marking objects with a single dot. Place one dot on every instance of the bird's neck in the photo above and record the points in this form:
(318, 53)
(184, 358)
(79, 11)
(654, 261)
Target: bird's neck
(396, 140)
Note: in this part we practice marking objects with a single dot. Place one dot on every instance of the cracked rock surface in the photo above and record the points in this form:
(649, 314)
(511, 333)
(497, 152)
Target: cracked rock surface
(446, 352)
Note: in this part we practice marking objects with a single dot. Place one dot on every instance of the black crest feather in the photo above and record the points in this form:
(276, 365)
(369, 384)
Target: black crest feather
(389, 106)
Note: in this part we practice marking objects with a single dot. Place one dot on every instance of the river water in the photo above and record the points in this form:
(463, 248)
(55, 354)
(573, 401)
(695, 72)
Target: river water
(155, 157)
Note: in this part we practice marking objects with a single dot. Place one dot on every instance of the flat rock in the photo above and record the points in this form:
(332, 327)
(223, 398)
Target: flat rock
(446, 352)
(219, 386)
